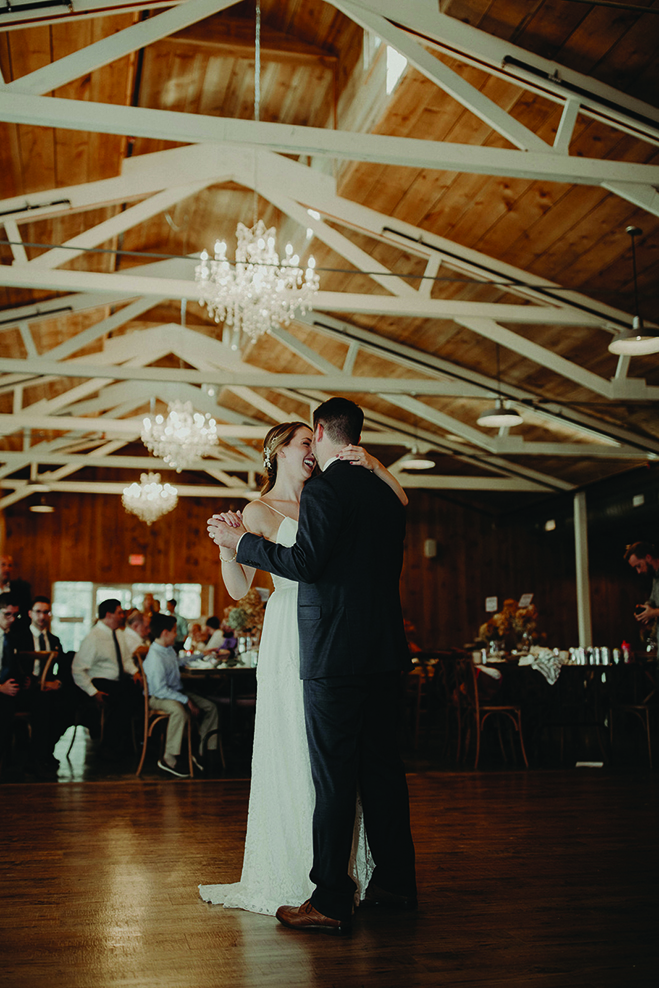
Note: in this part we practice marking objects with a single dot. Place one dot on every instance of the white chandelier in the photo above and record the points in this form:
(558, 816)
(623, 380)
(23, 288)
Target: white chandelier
(149, 499)
(180, 438)
(258, 290)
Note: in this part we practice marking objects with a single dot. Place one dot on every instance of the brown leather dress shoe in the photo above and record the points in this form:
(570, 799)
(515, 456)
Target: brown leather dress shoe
(309, 920)
(375, 896)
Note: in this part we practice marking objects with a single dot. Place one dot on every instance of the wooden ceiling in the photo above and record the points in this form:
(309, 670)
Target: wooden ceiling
(469, 231)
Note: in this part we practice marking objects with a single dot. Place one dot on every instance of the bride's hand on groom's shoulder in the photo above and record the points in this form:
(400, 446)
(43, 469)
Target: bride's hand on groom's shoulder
(359, 457)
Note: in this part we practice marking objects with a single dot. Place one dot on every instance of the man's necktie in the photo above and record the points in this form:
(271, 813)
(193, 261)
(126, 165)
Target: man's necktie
(42, 642)
(118, 653)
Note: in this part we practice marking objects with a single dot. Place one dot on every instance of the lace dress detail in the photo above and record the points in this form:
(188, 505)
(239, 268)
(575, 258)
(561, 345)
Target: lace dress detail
(278, 845)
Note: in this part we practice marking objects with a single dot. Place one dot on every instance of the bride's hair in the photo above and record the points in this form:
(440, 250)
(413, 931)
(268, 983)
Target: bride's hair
(276, 439)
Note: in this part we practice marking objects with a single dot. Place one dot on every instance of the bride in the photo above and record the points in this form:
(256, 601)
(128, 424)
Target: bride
(278, 846)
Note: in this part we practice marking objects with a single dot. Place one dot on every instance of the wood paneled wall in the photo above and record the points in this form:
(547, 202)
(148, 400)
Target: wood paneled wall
(90, 537)
(479, 554)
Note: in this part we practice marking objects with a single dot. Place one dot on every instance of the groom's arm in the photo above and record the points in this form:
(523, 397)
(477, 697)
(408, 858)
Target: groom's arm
(321, 516)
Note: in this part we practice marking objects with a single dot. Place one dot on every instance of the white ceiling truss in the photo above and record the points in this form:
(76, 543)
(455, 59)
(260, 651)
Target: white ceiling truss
(119, 379)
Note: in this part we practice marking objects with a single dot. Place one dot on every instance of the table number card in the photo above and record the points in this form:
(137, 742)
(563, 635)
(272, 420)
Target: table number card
(525, 600)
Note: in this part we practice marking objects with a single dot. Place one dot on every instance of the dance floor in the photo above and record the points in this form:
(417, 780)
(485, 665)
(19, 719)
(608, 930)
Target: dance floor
(529, 879)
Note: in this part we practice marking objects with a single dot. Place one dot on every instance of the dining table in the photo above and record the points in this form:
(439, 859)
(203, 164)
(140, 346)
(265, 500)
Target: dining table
(208, 678)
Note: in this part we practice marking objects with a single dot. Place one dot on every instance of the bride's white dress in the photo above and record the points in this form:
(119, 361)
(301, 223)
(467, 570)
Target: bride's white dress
(278, 845)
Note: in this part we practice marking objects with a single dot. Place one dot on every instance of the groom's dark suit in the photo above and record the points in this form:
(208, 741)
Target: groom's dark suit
(347, 560)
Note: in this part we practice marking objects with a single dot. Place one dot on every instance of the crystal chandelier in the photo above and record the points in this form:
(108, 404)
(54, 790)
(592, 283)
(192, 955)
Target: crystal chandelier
(149, 499)
(180, 438)
(258, 290)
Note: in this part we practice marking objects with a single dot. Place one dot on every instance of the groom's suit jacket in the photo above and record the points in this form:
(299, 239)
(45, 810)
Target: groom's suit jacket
(347, 561)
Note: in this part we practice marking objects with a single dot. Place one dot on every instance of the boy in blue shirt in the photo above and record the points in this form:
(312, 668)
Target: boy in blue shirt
(161, 669)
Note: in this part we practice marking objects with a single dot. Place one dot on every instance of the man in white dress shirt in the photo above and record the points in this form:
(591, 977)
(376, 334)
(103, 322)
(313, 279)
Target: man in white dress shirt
(104, 669)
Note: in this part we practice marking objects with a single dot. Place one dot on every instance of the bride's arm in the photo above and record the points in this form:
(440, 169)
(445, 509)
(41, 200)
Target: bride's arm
(358, 456)
(236, 577)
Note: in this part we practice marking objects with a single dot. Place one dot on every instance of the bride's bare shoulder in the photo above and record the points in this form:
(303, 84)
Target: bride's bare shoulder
(258, 518)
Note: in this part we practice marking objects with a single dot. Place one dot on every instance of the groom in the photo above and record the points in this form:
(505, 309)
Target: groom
(347, 560)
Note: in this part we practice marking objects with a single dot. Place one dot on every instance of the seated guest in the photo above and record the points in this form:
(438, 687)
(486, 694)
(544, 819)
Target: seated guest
(161, 669)
(137, 629)
(197, 638)
(103, 668)
(19, 589)
(217, 637)
(181, 625)
(20, 691)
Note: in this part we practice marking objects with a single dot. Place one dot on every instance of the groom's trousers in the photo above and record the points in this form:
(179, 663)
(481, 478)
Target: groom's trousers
(352, 729)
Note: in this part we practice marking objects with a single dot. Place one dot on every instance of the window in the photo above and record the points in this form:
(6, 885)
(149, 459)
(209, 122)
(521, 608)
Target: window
(75, 604)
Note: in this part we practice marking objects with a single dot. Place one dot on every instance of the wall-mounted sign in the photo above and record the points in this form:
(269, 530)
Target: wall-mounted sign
(525, 600)
(491, 604)
(136, 560)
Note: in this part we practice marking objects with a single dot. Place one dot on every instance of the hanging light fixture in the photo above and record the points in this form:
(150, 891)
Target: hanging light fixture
(638, 340)
(501, 416)
(257, 290)
(415, 461)
(149, 499)
(181, 437)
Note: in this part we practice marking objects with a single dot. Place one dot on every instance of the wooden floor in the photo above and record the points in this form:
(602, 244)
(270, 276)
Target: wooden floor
(535, 879)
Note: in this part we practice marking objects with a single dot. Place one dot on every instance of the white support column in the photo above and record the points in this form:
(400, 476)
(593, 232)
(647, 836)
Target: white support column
(582, 578)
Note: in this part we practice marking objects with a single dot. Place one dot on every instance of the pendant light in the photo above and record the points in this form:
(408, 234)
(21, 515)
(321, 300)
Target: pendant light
(416, 461)
(638, 340)
(499, 417)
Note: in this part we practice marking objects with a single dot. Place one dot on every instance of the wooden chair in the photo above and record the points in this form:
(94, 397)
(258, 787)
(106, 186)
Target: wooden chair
(474, 713)
(26, 662)
(641, 711)
(154, 717)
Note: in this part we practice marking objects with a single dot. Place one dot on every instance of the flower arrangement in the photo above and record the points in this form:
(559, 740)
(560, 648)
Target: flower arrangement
(247, 615)
(511, 625)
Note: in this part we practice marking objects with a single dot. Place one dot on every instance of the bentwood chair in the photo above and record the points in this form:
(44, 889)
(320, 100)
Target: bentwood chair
(152, 718)
(475, 714)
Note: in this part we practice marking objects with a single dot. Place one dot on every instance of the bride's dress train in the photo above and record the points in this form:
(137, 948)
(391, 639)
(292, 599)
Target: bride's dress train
(278, 845)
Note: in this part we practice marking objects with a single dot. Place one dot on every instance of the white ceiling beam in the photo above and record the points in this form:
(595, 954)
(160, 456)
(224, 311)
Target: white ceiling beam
(253, 378)
(105, 326)
(644, 196)
(338, 242)
(539, 354)
(87, 116)
(309, 355)
(427, 413)
(443, 77)
(433, 482)
(258, 401)
(94, 56)
(16, 246)
(26, 488)
(551, 414)
(111, 427)
(103, 459)
(506, 60)
(28, 342)
(140, 176)
(17, 18)
(566, 126)
(24, 276)
(517, 446)
(116, 225)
